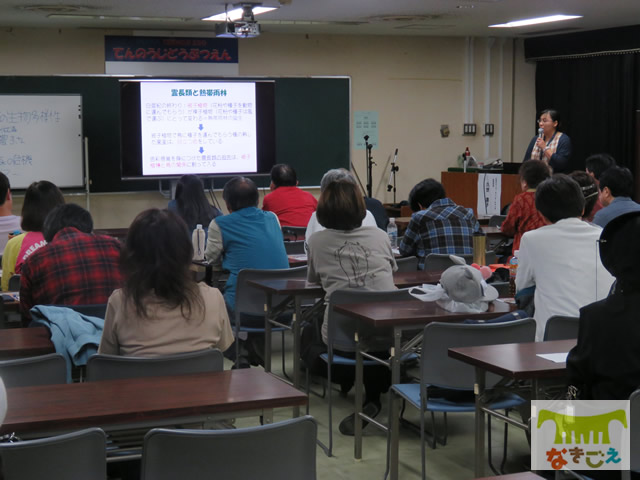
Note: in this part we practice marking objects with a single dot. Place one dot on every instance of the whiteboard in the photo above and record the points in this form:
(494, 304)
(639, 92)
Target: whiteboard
(41, 139)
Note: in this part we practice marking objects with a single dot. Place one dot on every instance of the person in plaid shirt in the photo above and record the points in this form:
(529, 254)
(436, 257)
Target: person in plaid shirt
(76, 267)
(438, 224)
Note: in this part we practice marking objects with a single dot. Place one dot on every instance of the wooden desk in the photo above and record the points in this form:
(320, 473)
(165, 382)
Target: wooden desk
(462, 188)
(119, 233)
(518, 361)
(25, 342)
(399, 317)
(145, 402)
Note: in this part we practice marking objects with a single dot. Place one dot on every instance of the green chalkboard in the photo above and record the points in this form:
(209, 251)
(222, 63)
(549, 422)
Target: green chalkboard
(312, 125)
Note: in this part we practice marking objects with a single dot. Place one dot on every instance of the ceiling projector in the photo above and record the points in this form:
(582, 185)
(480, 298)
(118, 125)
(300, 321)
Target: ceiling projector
(244, 27)
(240, 28)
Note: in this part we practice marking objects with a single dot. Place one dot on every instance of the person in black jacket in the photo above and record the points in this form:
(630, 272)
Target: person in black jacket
(605, 363)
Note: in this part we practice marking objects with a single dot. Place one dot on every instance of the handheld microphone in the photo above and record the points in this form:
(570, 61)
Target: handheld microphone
(540, 132)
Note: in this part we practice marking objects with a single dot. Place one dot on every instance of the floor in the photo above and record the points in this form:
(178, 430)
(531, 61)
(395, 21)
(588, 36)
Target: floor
(454, 461)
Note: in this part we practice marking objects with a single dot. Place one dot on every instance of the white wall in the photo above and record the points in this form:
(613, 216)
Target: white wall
(415, 84)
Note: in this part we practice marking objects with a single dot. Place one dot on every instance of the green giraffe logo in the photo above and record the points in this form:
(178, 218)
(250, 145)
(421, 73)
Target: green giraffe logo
(581, 427)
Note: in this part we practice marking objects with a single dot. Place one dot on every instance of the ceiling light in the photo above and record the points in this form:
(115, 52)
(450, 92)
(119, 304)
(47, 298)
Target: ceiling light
(536, 21)
(70, 16)
(236, 14)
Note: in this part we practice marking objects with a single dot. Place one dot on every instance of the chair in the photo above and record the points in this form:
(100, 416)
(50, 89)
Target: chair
(559, 327)
(14, 283)
(73, 456)
(251, 302)
(341, 331)
(294, 248)
(438, 370)
(47, 369)
(295, 233)
(95, 310)
(111, 367)
(436, 262)
(490, 258)
(496, 220)
(407, 264)
(281, 450)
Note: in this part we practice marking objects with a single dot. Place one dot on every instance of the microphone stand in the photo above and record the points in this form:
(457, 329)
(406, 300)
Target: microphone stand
(392, 173)
(370, 164)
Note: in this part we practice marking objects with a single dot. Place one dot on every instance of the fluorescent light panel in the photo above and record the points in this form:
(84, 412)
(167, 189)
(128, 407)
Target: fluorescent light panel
(236, 14)
(71, 16)
(536, 21)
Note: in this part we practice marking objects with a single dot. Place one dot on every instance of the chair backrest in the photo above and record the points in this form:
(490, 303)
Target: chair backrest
(407, 264)
(269, 452)
(111, 367)
(437, 262)
(294, 248)
(496, 220)
(94, 310)
(294, 233)
(14, 283)
(47, 369)
(437, 368)
(559, 327)
(490, 257)
(251, 301)
(634, 430)
(74, 456)
(342, 328)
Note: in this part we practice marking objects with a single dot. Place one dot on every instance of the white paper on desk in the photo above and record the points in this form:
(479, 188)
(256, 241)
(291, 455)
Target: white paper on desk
(489, 191)
(554, 357)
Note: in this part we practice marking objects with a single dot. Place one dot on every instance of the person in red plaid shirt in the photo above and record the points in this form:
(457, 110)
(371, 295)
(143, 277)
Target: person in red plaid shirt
(523, 215)
(76, 267)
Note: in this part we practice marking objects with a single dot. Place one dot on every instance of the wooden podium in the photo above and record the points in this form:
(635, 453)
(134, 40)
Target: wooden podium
(462, 188)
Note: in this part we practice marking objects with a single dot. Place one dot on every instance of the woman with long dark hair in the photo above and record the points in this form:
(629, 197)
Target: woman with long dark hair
(191, 203)
(161, 309)
(39, 199)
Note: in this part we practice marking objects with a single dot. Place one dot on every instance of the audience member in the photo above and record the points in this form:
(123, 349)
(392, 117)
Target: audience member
(523, 215)
(39, 199)
(335, 175)
(291, 204)
(378, 211)
(438, 224)
(191, 203)
(246, 238)
(349, 255)
(561, 260)
(595, 165)
(605, 364)
(160, 309)
(551, 146)
(9, 223)
(590, 193)
(616, 188)
(76, 267)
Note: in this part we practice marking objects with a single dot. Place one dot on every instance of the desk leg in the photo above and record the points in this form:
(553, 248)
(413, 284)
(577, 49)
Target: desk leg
(267, 332)
(358, 403)
(394, 407)
(480, 434)
(295, 326)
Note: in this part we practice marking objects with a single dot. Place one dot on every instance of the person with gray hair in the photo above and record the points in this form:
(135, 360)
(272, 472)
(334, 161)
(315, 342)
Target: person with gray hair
(337, 175)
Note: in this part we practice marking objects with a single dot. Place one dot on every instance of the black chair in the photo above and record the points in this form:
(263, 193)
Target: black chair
(47, 369)
(295, 247)
(407, 264)
(496, 220)
(111, 367)
(74, 456)
(294, 233)
(560, 327)
(269, 452)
